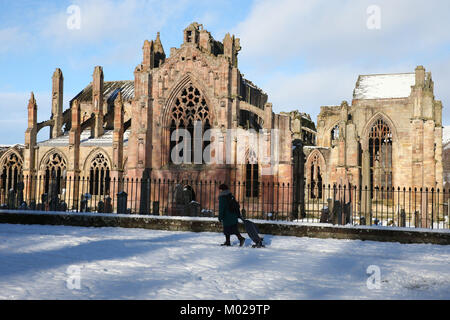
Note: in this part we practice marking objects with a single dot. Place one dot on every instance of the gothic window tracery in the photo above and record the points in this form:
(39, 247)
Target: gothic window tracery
(55, 171)
(316, 184)
(189, 107)
(99, 182)
(11, 170)
(252, 176)
(380, 149)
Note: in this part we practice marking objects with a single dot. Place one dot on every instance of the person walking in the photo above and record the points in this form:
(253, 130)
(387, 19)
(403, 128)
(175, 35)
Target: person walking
(227, 217)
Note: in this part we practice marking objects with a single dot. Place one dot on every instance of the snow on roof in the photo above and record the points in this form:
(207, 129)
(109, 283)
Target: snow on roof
(85, 139)
(110, 91)
(384, 86)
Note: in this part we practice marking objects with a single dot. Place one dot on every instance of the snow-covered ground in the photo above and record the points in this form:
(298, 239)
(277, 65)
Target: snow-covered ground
(45, 262)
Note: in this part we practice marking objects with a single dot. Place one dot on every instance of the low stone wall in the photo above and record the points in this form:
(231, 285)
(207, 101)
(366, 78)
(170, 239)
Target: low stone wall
(385, 234)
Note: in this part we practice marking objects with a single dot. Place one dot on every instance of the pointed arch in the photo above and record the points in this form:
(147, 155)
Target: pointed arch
(175, 91)
(315, 170)
(91, 156)
(187, 104)
(11, 164)
(54, 165)
(251, 169)
(97, 167)
(53, 157)
(372, 121)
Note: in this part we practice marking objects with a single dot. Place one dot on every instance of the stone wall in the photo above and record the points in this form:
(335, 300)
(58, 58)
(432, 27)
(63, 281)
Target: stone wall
(385, 234)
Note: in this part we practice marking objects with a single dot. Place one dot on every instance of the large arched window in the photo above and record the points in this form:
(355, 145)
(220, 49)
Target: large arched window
(11, 170)
(335, 133)
(316, 178)
(189, 107)
(380, 149)
(55, 171)
(99, 182)
(252, 176)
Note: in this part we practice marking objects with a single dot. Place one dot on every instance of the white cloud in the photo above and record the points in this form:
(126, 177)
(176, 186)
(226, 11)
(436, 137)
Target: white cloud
(309, 53)
(335, 29)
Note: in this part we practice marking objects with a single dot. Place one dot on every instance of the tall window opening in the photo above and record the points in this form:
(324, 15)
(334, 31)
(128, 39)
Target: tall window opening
(190, 107)
(380, 148)
(99, 182)
(55, 172)
(316, 179)
(11, 170)
(252, 176)
(335, 133)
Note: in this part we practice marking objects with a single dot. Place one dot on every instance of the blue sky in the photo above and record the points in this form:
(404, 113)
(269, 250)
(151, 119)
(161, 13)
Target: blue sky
(304, 54)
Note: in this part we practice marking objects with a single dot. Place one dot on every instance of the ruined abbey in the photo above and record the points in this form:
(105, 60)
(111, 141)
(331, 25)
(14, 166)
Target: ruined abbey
(389, 135)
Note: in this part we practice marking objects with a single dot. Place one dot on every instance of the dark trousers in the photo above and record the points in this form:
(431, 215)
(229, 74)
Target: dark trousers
(229, 230)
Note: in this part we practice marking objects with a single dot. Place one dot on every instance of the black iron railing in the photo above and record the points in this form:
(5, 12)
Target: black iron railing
(401, 207)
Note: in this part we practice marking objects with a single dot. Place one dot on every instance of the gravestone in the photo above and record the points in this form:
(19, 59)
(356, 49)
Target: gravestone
(417, 219)
(402, 218)
(155, 208)
(44, 199)
(108, 205)
(62, 206)
(188, 195)
(178, 206)
(325, 215)
(144, 207)
(122, 199)
(53, 195)
(193, 209)
(101, 207)
(346, 219)
(12, 199)
(20, 187)
(336, 216)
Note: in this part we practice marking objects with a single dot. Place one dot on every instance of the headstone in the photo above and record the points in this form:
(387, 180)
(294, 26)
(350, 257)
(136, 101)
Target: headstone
(178, 205)
(402, 218)
(417, 219)
(20, 187)
(325, 215)
(62, 206)
(101, 207)
(178, 194)
(336, 216)
(108, 205)
(145, 184)
(188, 196)
(54, 204)
(53, 195)
(122, 199)
(155, 208)
(347, 214)
(193, 209)
(12, 199)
